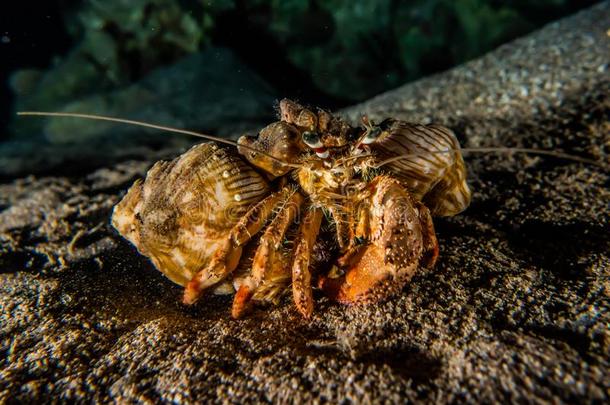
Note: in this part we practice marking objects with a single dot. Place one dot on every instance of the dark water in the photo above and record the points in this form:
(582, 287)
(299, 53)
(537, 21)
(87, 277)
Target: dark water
(220, 66)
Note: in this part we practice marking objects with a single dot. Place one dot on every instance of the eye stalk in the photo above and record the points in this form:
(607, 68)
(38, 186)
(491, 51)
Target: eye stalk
(371, 135)
(312, 139)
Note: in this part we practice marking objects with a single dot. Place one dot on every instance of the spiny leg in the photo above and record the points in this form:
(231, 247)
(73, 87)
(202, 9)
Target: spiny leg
(227, 257)
(301, 276)
(269, 263)
(383, 265)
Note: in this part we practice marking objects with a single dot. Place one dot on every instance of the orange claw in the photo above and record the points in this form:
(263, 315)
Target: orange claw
(366, 278)
(400, 235)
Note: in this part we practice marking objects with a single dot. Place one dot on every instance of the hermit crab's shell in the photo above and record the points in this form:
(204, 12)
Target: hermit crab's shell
(431, 167)
(181, 212)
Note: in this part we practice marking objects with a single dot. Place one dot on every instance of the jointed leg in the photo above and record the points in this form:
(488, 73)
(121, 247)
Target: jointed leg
(227, 257)
(269, 263)
(301, 276)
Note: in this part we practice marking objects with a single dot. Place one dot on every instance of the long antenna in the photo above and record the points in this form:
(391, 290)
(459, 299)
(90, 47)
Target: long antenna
(543, 152)
(560, 155)
(153, 126)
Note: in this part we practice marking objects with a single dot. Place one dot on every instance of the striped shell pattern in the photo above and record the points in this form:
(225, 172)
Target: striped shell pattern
(435, 173)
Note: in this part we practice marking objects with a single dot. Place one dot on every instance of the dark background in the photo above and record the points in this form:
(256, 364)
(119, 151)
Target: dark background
(32, 34)
(330, 55)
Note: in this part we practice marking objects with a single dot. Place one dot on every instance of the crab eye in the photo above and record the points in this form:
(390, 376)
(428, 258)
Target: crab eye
(371, 135)
(312, 139)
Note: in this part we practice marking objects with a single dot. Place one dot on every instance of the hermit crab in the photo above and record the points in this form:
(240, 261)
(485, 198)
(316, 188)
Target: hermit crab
(249, 220)
(310, 201)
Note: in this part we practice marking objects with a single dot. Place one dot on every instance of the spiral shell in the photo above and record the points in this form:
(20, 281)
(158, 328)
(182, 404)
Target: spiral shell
(181, 212)
(435, 173)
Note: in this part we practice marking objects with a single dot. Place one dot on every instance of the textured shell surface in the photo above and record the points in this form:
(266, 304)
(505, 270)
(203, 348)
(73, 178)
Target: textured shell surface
(435, 174)
(180, 213)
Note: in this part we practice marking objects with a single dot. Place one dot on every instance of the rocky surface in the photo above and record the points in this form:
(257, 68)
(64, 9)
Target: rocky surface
(517, 308)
